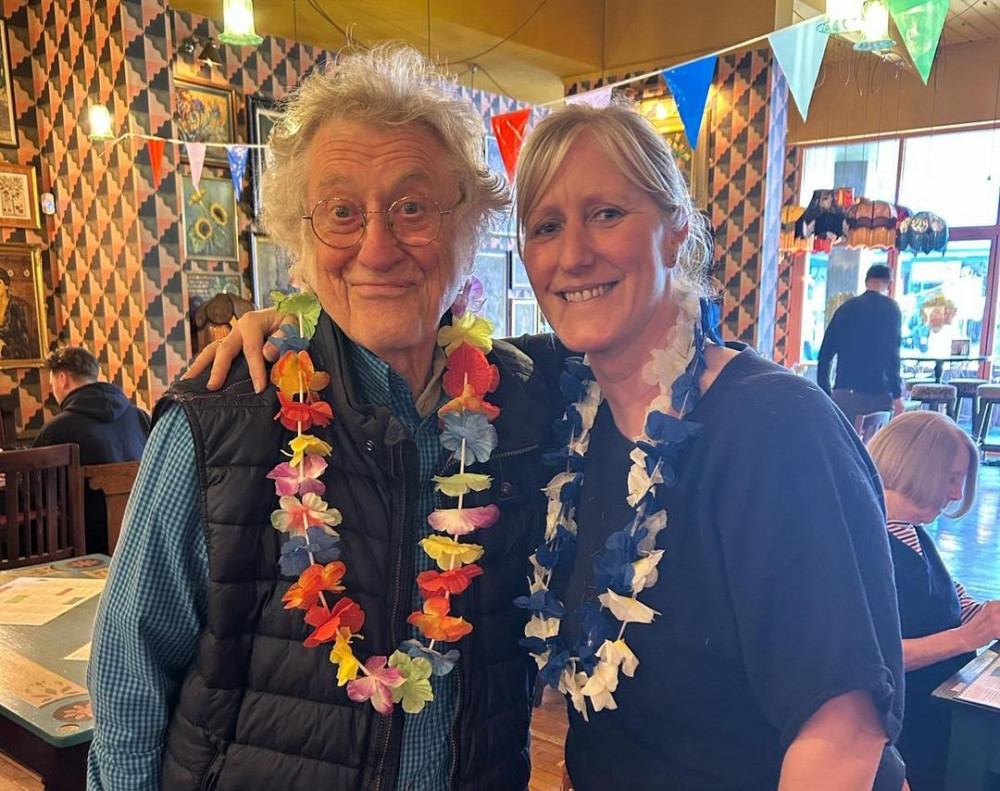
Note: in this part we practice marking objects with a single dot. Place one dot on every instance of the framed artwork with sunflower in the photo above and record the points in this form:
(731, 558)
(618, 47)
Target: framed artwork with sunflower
(210, 231)
(204, 113)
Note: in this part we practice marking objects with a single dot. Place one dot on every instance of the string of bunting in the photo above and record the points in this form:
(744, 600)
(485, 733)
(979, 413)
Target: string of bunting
(798, 49)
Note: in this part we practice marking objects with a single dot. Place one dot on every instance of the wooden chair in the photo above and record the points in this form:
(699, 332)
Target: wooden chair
(8, 421)
(42, 518)
(115, 482)
(867, 425)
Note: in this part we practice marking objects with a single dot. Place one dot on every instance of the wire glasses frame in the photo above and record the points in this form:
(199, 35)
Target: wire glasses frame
(412, 220)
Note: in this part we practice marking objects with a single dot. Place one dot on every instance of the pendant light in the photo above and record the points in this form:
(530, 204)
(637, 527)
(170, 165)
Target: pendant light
(875, 28)
(842, 16)
(238, 15)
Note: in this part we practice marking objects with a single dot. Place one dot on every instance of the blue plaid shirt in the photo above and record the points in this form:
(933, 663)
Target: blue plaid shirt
(155, 603)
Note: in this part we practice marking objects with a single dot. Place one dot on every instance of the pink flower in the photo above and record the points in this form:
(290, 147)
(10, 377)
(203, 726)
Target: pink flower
(286, 477)
(376, 684)
(311, 511)
(462, 521)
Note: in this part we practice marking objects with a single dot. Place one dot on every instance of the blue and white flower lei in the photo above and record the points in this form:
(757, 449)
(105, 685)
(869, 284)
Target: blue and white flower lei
(589, 668)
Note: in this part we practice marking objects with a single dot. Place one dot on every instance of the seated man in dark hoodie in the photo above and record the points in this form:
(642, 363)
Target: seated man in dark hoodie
(99, 418)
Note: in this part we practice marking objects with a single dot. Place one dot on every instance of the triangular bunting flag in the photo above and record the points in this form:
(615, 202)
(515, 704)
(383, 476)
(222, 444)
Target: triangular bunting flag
(920, 23)
(599, 97)
(689, 84)
(509, 130)
(799, 51)
(196, 156)
(237, 156)
(155, 148)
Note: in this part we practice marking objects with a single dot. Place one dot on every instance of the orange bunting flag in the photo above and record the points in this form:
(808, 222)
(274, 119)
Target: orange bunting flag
(509, 129)
(155, 148)
(468, 361)
(434, 622)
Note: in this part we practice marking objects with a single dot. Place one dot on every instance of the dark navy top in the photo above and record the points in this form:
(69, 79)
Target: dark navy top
(864, 336)
(776, 593)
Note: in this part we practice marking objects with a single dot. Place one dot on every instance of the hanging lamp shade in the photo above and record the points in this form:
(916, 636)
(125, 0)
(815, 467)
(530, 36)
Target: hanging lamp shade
(902, 214)
(238, 16)
(824, 219)
(100, 123)
(842, 16)
(872, 223)
(924, 232)
(790, 241)
(875, 28)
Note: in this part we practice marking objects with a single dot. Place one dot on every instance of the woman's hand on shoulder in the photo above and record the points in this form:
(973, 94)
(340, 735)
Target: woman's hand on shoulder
(249, 336)
(983, 627)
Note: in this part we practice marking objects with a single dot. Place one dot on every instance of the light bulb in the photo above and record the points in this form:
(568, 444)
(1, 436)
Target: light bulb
(100, 123)
(842, 16)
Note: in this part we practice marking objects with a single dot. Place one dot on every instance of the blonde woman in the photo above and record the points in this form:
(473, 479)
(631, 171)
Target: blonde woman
(927, 464)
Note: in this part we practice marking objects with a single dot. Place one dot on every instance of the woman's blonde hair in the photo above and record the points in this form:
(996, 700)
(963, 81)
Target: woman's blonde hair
(644, 157)
(914, 453)
(387, 87)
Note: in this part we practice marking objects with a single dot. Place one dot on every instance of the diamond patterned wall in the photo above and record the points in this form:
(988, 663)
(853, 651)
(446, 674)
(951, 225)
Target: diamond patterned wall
(784, 337)
(112, 253)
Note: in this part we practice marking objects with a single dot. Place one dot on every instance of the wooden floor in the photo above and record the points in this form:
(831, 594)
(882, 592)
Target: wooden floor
(14, 777)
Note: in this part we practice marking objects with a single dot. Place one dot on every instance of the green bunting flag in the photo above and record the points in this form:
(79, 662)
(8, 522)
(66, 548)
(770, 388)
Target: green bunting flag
(920, 23)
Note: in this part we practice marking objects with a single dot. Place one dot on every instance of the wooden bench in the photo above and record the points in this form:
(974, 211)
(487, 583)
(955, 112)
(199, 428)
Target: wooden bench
(115, 481)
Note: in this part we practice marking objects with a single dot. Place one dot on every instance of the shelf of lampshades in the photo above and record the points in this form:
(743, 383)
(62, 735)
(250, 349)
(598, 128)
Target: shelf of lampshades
(836, 217)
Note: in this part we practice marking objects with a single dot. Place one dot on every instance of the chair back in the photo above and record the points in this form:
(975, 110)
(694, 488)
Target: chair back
(115, 481)
(867, 425)
(42, 517)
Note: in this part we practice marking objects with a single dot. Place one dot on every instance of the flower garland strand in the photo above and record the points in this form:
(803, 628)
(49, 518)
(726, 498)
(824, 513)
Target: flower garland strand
(312, 550)
(589, 669)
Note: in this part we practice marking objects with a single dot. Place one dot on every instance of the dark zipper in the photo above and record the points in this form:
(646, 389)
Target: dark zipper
(384, 735)
(453, 769)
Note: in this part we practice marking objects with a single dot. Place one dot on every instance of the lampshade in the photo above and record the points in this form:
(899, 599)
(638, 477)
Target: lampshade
(824, 218)
(790, 241)
(872, 223)
(238, 15)
(875, 28)
(842, 16)
(100, 123)
(210, 54)
(924, 232)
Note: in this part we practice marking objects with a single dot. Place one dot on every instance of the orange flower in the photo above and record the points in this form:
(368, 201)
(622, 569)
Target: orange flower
(345, 614)
(435, 623)
(468, 361)
(436, 583)
(304, 593)
(294, 373)
(312, 412)
(470, 402)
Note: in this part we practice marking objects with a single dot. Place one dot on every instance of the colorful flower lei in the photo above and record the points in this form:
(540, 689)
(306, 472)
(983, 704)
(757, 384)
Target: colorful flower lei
(311, 551)
(589, 669)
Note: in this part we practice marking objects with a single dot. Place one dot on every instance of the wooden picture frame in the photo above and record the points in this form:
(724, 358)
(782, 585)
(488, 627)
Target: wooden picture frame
(205, 113)
(693, 164)
(8, 126)
(18, 196)
(270, 264)
(262, 113)
(209, 213)
(24, 339)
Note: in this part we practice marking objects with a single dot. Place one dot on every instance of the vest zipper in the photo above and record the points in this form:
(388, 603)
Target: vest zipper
(453, 769)
(211, 778)
(385, 724)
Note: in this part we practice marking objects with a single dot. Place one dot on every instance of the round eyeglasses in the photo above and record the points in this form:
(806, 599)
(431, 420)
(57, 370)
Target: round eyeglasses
(412, 220)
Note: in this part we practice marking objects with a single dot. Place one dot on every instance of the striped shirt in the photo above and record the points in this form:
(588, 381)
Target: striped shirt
(155, 603)
(907, 533)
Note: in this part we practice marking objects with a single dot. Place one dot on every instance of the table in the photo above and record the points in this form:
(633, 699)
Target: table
(974, 748)
(940, 361)
(46, 720)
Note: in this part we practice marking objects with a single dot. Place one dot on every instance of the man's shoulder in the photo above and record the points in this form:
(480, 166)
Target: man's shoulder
(236, 391)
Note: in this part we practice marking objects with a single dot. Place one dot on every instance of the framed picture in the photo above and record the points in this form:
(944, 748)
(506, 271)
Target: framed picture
(262, 113)
(518, 274)
(270, 263)
(523, 317)
(18, 196)
(210, 232)
(8, 131)
(693, 164)
(23, 332)
(204, 114)
(491, 269)
(201, 286)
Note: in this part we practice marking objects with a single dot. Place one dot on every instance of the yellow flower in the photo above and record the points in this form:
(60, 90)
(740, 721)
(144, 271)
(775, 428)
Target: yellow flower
(306, 443)
(219, 213)
(203, 229)
(462, 483)
(470, 329)
(341, 655)
(449, 553)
